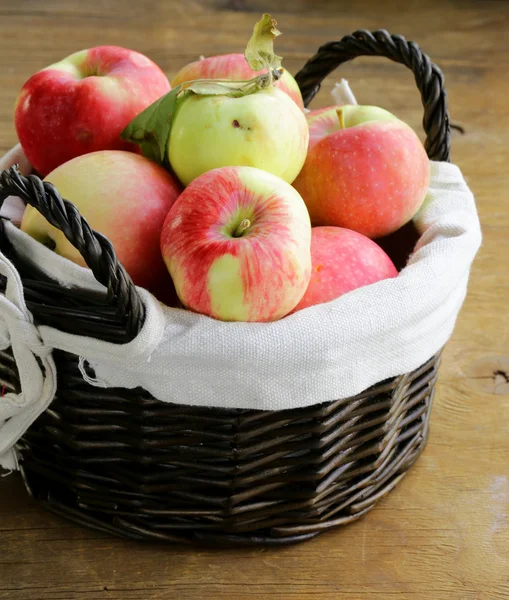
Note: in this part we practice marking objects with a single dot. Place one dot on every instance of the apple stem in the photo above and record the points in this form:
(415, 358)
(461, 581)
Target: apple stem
(265, 80)
(341, 117)
(243, 225)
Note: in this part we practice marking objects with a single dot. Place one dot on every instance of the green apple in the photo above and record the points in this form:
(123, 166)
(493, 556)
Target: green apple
(266, 130)
(206, 124)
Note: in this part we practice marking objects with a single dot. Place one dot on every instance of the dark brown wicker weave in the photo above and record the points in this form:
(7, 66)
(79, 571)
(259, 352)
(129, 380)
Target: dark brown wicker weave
(120, 461)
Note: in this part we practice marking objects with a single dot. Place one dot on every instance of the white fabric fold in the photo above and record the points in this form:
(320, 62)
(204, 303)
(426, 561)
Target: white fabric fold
(342, 93)
(13, 208)
(37, 377)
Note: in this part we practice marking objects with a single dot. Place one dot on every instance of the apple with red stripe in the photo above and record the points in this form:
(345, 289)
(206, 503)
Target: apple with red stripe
(237, 245)
(343, 260)
(234, 67)
(82, 104)
(365, 170)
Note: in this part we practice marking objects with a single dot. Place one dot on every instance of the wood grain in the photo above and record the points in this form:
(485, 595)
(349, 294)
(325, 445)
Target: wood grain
(444, 532)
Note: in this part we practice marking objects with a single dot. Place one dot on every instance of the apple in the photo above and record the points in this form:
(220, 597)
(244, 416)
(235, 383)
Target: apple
(321, 122)
(124, 196)
(237, 245)
(234, 67)
(208, 123)
(365, 170)
(82, 103)
(265, 129)
(341, 261)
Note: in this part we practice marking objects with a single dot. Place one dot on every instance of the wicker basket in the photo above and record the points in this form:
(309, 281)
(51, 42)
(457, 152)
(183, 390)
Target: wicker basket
(121, 461)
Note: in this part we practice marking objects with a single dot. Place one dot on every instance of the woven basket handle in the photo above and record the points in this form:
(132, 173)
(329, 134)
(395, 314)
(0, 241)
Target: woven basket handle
(96, 250)
(428, 77)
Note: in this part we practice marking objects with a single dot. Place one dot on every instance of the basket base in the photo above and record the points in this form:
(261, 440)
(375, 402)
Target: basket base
(122, 462)
(126, 529)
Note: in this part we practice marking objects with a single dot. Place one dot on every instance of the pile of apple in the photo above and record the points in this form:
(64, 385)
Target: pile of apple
(210, 187)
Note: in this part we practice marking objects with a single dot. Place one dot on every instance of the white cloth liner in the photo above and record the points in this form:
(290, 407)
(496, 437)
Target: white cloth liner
(319, 354)
(342, 93)
(38, 383)
(13, 208)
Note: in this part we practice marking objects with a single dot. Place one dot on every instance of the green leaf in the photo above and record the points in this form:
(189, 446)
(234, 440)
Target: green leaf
(260, 48)
(151, 128)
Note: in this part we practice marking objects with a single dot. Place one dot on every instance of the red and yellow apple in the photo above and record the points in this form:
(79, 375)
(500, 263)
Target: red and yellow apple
(341, 261)
(124, 196)
(265, 130)
(365, 170)
(82, 103)
(237, 245)
(321, 122)
(236, 68)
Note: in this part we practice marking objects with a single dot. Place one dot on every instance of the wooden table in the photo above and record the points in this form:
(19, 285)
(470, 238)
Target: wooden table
(444, 532)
